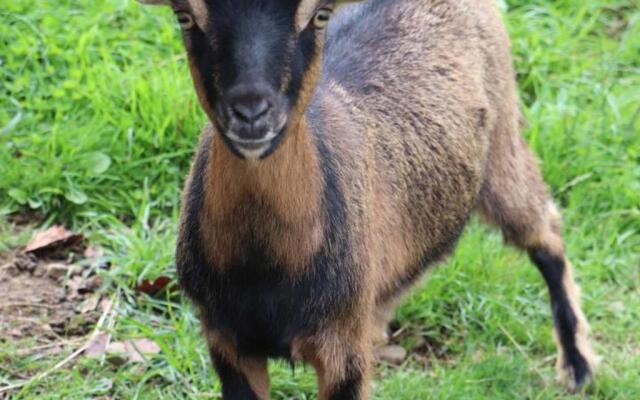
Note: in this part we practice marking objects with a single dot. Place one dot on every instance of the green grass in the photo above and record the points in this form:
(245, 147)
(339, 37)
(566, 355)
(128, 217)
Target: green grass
(98, 121)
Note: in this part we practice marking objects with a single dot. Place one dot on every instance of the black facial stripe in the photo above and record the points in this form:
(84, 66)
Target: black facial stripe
(304, 55)
(204, 57)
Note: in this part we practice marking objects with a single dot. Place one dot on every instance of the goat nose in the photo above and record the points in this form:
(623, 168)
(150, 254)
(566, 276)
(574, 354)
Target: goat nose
(250, 110)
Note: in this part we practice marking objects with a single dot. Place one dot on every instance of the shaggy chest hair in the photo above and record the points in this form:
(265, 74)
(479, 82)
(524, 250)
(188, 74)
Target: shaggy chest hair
(229, 265)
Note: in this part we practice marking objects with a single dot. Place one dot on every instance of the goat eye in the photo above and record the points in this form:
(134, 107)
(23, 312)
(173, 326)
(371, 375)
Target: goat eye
(321, 19)
(185, 20)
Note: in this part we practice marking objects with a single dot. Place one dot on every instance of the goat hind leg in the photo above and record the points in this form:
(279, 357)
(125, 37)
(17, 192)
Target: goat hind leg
(516, 199)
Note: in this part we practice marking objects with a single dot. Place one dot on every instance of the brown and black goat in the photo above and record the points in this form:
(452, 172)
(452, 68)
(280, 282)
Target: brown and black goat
(337, 165)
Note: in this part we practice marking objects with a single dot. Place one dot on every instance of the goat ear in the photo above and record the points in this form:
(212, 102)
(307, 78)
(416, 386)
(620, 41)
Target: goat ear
(155, 2)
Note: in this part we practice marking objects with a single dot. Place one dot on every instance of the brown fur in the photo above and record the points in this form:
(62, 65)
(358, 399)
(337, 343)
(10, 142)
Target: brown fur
(430, 133)
(238, 194)
(200, 12)
(254, 369)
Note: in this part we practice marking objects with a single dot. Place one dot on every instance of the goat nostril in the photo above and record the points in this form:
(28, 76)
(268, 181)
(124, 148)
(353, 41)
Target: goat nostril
(250, 110)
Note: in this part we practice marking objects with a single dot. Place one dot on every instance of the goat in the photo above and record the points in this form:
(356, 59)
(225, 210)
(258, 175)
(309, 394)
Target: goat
(341, 160)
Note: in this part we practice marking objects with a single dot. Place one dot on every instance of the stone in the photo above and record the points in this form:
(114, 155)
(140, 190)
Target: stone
(393, 354)
(56, 270)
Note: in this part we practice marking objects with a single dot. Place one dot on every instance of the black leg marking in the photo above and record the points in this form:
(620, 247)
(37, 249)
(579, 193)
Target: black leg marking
(553, 269)
(234, 384)
(350, 387)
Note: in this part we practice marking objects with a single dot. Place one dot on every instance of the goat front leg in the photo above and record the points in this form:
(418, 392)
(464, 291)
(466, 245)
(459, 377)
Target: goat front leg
(342, 366)
(241, 378)
(343, 378)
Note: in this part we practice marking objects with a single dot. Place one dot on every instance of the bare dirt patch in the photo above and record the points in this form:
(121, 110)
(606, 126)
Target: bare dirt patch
(48, 290)
(50, 302)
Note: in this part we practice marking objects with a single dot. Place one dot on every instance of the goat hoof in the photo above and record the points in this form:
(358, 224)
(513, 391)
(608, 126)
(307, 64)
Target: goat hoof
(576, 376)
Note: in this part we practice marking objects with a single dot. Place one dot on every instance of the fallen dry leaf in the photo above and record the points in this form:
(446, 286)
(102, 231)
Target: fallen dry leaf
(52, 239)
(97, 346)
(153, 287)
(132, 350)
(135, 350)
(139, 348)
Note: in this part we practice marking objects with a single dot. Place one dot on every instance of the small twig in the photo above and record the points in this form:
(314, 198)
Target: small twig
(33, 321)
(482, 380)
(25, 304)
(109, 328)
(66, 342)
(207, 395)
(64, 362)
(399, 332)
(43, 325)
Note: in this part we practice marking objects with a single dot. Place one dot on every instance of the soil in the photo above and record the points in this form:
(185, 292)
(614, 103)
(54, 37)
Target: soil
(46, 298)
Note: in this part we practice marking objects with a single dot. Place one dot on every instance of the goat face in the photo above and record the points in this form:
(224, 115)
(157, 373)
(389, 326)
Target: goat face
(255, 64)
